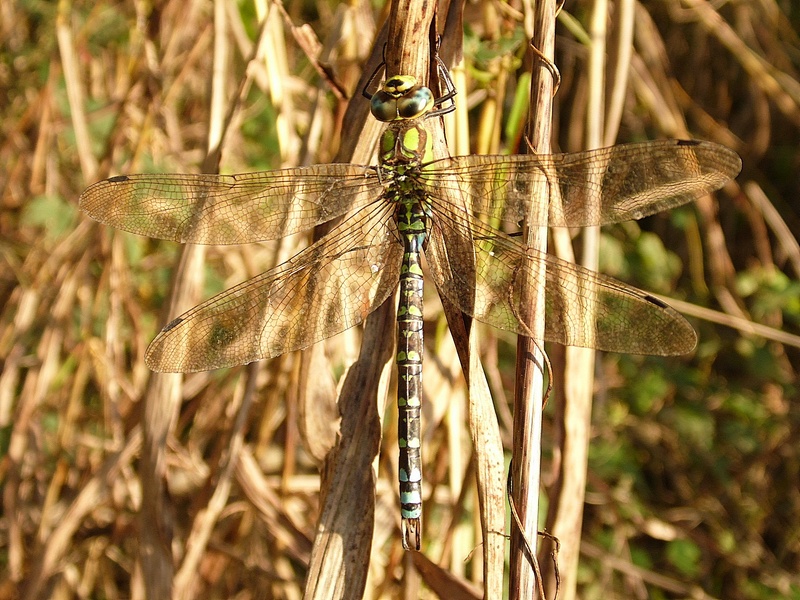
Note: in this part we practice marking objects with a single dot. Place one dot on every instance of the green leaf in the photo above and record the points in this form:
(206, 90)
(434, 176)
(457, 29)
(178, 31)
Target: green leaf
(685, 556)
(50, 213)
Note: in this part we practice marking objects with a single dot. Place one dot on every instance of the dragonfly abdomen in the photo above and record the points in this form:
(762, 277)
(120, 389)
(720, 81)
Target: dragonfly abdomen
(411, 225)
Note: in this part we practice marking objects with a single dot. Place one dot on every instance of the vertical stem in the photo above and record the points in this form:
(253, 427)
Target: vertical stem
(567, 508)
(528, 394)
(406, 52)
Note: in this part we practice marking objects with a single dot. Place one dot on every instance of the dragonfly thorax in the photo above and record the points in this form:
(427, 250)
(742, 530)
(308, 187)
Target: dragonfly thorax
(405, 144)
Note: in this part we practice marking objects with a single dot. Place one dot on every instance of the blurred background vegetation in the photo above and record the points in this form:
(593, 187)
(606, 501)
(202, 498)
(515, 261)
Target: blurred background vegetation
(694, 462)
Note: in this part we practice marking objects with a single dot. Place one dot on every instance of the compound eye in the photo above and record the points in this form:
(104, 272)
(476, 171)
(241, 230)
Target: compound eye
(383, 106)
(415, 103)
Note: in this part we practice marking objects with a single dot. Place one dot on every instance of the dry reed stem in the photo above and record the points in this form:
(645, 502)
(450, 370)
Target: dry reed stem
(574, 411)
(525, 578)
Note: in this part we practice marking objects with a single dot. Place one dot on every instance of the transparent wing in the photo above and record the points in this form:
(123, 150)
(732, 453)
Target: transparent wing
(596, 187)
(323, 290)
(230, 209)
(487, 274)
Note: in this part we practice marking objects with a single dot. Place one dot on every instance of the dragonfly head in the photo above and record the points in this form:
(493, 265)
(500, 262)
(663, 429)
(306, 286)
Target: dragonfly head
(401, 98)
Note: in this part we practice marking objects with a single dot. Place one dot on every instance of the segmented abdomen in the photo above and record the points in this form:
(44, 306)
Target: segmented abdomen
(411, 224)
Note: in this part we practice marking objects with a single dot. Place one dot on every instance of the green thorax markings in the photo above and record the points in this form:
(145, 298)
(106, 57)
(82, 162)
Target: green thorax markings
(405, 144)
(405, 147)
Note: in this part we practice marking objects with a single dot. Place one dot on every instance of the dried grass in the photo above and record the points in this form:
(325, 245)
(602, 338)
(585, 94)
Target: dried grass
(703, 500)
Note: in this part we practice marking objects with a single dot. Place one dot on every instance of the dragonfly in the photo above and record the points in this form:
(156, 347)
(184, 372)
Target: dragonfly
(408, 204)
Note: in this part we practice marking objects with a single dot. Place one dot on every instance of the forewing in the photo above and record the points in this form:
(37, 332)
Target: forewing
(230, 209)
(487, 274)
(607, 185)
(323, 290)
